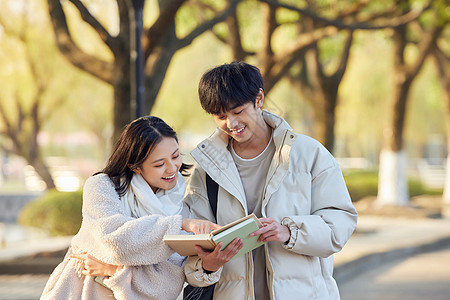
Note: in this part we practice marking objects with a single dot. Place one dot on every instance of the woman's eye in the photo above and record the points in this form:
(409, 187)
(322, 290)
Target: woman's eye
(159, 166)
(176, 156)
(239, 112)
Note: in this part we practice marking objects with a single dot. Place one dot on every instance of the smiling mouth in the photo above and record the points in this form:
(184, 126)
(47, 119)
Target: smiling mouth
(237, 131)
(170, 177)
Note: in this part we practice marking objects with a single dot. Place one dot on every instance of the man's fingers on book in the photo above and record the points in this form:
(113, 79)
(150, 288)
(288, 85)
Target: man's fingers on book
(260, 231)
(218, 247)
(234, 247)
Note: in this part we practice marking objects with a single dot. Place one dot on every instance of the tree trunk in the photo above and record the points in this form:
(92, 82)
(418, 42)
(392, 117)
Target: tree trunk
(156, 68)
(446, 195)
(443, 67)
(324, 121)
(122, 90)
(393, 183)
(43, 171)
(392, 179)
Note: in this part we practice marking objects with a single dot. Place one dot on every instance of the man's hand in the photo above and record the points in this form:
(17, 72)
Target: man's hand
(212, 261)
(198, 226)
(272, 231)
(94, 267)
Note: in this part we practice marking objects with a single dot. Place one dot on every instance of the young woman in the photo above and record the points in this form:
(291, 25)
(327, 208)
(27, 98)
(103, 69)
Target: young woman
(127, 209)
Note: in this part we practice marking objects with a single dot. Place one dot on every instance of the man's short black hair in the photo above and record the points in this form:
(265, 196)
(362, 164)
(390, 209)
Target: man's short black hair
(229, 85)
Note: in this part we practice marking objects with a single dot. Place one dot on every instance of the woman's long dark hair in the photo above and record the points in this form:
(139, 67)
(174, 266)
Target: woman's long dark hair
(135, 143)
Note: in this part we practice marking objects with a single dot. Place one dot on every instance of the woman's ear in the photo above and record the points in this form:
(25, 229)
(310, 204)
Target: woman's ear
(135, 170)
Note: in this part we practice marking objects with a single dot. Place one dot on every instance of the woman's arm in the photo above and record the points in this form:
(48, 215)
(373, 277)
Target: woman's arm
(110, 235)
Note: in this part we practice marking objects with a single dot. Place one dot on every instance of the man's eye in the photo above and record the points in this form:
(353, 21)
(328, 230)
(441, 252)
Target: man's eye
(176, 156)
(236, 113)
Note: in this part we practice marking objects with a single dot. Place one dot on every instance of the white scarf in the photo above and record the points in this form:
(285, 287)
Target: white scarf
(139, 200)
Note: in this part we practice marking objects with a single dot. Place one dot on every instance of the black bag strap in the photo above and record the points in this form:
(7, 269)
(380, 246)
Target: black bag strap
(212, 188)
(204, 293)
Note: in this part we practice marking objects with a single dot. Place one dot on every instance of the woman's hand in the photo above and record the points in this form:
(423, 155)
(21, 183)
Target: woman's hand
(212, 261)
(94, 267)
(198, 226)
(272, 231)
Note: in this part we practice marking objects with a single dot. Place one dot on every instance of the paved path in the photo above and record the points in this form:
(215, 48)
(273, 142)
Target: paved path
(419, 277)
(22, 287)
(400, 247)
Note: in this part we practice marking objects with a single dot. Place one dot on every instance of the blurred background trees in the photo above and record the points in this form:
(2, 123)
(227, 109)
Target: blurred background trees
(160, 41)
(363, 77)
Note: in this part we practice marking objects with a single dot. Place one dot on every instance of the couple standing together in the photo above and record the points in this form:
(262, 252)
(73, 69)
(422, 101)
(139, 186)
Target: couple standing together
(290, 181)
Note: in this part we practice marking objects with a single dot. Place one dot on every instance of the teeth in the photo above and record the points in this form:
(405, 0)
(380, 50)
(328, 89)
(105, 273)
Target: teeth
(237, 131)
(170, 177)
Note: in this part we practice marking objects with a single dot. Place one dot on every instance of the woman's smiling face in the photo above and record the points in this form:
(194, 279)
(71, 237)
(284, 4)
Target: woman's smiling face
(160, 168)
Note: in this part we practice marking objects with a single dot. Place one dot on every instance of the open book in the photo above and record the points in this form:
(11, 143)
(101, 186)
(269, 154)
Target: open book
(184, 243)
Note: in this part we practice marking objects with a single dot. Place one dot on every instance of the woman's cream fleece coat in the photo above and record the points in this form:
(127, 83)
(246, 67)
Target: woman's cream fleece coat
(153, 270)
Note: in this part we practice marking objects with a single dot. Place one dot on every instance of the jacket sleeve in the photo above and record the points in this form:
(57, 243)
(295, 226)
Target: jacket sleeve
(333, 216)
(108, 234)
(196, 276)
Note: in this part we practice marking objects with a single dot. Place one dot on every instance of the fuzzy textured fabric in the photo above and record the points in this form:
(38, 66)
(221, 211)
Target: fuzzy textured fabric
(153, 270)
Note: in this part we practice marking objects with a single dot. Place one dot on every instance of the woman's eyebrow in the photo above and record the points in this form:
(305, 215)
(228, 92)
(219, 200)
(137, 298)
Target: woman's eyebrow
(163, 158)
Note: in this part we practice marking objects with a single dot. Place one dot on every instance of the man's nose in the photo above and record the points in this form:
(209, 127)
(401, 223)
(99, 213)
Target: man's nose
(231, 122)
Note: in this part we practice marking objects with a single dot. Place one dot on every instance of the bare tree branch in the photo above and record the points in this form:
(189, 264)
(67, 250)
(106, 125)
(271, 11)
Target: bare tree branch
(159, 28)
(339, 73)
(89, 19)
(208, 24)
(305, 40)
(425, 47)
(100, 69)
(395, 22)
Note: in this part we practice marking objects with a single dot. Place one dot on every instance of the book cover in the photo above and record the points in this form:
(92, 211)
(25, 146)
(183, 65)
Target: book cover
(242, 231)
(184, 243)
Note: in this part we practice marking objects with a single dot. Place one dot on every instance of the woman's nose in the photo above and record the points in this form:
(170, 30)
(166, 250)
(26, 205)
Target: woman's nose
(171, 167)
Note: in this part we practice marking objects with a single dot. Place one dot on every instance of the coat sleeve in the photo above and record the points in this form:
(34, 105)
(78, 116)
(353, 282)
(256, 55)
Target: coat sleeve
(333, 216)
(108, 234)
(196, 276)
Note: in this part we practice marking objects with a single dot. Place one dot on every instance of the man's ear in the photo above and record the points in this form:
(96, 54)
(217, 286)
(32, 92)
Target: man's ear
(259, 99)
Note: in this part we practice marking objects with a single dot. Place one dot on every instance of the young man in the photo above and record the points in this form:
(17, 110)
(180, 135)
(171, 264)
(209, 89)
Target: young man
(290, 181)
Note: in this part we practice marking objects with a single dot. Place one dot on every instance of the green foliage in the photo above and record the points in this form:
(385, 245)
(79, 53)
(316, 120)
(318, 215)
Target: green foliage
(364, 183)
(361, 184)
(416, 188)
(59, 213)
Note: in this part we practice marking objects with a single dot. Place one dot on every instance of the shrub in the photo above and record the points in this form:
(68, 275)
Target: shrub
(59, 213)
(363, 183)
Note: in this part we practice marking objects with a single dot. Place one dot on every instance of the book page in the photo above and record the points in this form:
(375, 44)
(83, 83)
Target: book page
(253, 216)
